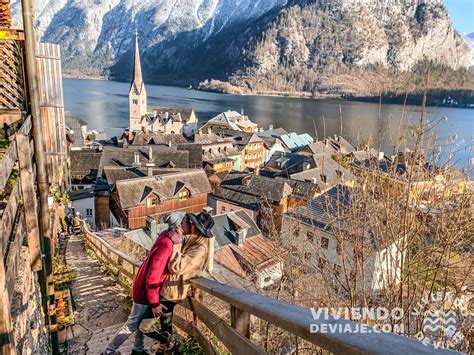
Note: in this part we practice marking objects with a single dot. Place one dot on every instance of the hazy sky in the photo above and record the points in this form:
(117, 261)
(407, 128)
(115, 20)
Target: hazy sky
(462, 14)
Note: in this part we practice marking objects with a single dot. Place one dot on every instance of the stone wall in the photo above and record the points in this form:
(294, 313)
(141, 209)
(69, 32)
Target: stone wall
(27, 315)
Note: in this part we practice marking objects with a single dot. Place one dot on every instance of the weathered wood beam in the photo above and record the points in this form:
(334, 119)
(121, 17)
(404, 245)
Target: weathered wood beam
(194, 332)
(27, 183)
(240, 321)
(231, 338)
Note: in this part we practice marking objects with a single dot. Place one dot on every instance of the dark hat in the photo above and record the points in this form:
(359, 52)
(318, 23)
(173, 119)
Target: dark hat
(203, 221)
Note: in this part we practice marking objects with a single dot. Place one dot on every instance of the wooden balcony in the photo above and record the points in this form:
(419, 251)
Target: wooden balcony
(236, 336)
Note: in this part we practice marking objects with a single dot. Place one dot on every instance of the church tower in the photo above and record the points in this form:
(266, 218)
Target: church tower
(137, 93)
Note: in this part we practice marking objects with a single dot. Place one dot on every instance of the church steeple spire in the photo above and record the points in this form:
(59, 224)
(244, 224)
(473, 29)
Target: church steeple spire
(137, 66)
(137, 94)
(137, 80)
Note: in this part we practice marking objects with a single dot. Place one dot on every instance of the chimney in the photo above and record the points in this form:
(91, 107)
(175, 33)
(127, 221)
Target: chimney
(137, 159)
(208, 210)
(169, 144)
(314, 180)
(240, 236)
(149, 171)
(381, 155)
(150, 154)
(151, 227)
(270, 128)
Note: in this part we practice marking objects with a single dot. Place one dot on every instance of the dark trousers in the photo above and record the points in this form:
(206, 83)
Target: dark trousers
(166, 319)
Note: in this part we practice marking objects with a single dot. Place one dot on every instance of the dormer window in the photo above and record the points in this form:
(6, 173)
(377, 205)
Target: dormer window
(183, 194)
(152, 201)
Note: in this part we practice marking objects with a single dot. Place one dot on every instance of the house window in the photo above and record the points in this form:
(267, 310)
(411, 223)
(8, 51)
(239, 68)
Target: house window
(267, 279)
(135, 102)
(307, 256)
(89, 212)
(321, 262)
(337, 270)
(324, 178)
(222, 209)
(152, 201)
(310, 236)
(183, 194)
(324, 243)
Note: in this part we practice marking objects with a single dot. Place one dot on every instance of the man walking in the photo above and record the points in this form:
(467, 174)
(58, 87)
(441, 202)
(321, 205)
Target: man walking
(147, 284)
(68, 220)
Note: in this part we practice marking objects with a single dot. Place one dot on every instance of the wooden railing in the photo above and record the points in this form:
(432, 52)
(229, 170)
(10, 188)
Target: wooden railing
(243, 304)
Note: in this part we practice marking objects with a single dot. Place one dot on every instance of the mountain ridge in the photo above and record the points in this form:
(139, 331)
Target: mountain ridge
(274, 40)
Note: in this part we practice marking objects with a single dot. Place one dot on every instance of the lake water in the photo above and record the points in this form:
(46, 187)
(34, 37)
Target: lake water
(104, 105)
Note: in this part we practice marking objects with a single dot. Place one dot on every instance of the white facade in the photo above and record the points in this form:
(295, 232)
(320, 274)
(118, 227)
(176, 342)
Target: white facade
(277, 147)
(86, 207)
(382, 267)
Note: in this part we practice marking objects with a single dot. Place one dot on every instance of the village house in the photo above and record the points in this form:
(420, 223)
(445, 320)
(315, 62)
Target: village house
(271, 141)
(320, 169)
(390, 174)
(145, 138)
(250, 146)
(77, 128)
(293, 141)
(132, 200)
(320, 233)
(84, 168)
(146, 156)
(155, 118)
(218, 153)
(264, 199)
(241, 248)
(319, 147)
(340, 145)
(83, 201)
(229, 120)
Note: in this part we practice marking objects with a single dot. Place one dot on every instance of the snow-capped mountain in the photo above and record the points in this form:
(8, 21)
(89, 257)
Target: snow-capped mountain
(190, 40)
(98, 33)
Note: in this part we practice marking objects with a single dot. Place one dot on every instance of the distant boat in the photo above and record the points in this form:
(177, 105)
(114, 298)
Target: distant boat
(190, 87)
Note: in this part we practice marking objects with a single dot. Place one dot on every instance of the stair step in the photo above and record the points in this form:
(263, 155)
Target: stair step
(101, 338)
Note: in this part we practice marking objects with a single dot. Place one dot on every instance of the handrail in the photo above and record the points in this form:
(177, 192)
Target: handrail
(294, 319)
(117, 252)
(298, 320)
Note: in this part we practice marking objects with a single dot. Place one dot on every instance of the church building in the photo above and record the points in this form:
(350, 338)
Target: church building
(155, 119)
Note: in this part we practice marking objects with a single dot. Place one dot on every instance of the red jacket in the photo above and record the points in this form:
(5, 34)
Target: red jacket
(152, 273)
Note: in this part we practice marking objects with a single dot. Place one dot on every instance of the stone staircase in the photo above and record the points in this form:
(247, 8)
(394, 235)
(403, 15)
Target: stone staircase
(100, 338)
(101, 305)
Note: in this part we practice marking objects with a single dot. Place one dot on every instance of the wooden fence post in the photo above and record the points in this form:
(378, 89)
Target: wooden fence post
(240, 321)
(27, 184)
